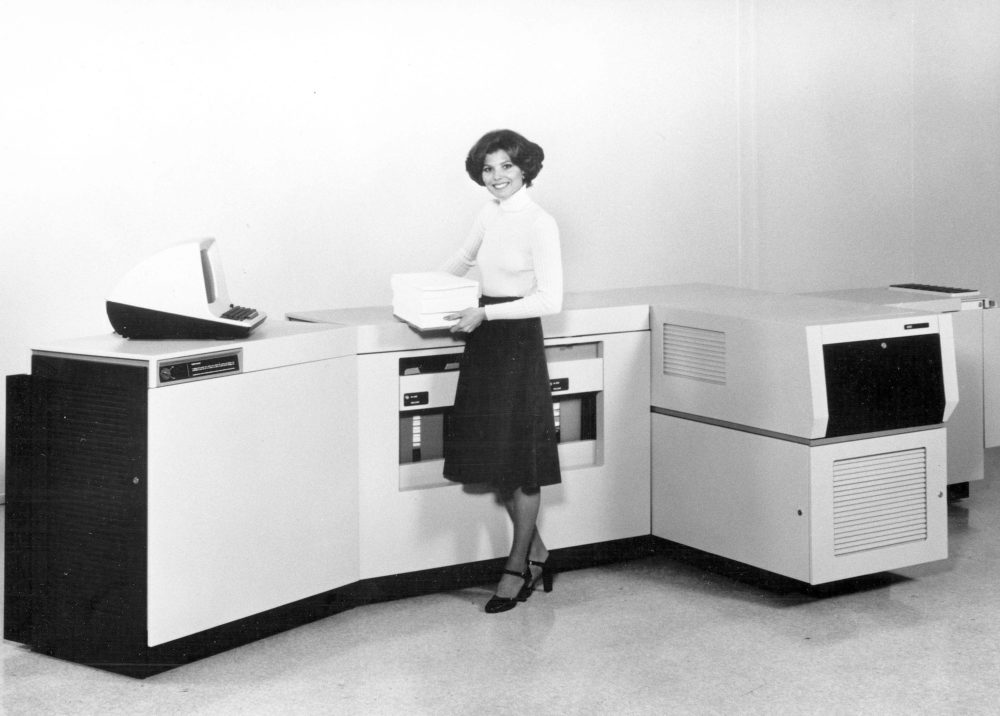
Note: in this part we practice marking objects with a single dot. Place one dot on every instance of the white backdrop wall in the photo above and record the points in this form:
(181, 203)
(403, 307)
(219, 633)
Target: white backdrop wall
(834, 113)
(322, 143)
(785, 144)
(877, 143)
(956, 146)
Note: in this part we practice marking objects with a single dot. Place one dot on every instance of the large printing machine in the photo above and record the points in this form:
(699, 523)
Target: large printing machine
(812, 431)
(171, 499)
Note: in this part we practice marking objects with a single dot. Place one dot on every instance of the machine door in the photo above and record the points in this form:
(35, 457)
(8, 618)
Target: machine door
(884, 384)
(76, 510)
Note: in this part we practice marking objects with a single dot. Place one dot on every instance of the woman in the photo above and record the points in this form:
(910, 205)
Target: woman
(501, 429)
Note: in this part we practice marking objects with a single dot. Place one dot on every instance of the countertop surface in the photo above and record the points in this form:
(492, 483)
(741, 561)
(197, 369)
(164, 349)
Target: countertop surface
(333, 332)
(614, 311)
(583, 314)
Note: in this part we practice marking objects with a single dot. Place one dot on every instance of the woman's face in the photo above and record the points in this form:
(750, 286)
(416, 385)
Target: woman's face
(501, 176)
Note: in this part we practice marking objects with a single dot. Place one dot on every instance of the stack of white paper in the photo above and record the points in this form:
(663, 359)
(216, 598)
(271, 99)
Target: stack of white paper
(424, 299)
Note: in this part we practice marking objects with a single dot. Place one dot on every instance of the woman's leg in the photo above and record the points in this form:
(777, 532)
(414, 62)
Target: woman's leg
(536, 549)
(527, 544)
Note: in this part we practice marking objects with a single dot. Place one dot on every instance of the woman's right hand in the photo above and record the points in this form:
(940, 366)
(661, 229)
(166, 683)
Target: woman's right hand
(467, 320)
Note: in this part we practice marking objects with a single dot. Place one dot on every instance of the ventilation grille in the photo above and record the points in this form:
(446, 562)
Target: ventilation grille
(879, 501)
(694, 353)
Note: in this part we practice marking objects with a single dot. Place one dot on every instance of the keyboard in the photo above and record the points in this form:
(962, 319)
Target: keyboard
(239, 313)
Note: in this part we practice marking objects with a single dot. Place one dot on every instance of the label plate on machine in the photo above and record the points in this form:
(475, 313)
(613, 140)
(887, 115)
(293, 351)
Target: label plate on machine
(198, 367)
(418, 398)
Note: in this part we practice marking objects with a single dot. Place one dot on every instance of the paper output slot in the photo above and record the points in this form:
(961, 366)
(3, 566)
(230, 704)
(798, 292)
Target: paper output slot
(572, 351)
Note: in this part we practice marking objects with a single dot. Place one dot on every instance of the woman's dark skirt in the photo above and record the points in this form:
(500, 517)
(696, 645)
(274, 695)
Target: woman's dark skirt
(501, 430)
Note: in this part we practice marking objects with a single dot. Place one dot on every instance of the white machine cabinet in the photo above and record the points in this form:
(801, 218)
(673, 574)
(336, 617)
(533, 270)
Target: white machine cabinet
(412, 519)
(800, 435)
(814, 512)
(174, 487)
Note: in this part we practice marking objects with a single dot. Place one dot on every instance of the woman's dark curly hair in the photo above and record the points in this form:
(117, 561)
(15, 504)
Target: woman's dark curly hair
(526, 155)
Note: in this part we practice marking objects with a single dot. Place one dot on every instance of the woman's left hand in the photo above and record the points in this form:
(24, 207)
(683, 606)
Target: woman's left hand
(467, 321)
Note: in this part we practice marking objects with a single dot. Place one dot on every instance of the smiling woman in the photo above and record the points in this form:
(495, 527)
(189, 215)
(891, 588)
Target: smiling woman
(506, 151)
(501, 430)
(501, 176)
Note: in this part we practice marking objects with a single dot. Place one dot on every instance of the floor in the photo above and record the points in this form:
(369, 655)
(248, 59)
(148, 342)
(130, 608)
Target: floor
(669, 634)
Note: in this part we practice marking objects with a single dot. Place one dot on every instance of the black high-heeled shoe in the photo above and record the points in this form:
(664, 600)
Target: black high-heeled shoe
(531, 584)
(498, 604)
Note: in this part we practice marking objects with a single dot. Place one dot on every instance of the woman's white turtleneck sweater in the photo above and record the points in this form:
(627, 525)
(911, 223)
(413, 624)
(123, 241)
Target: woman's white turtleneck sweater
(515, 244)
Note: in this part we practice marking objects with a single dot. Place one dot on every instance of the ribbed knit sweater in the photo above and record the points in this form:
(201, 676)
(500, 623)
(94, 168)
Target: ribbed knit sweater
(515, 244)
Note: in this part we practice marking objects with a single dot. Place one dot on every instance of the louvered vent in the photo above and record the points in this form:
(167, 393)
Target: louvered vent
(695, 353)
(879, 501)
